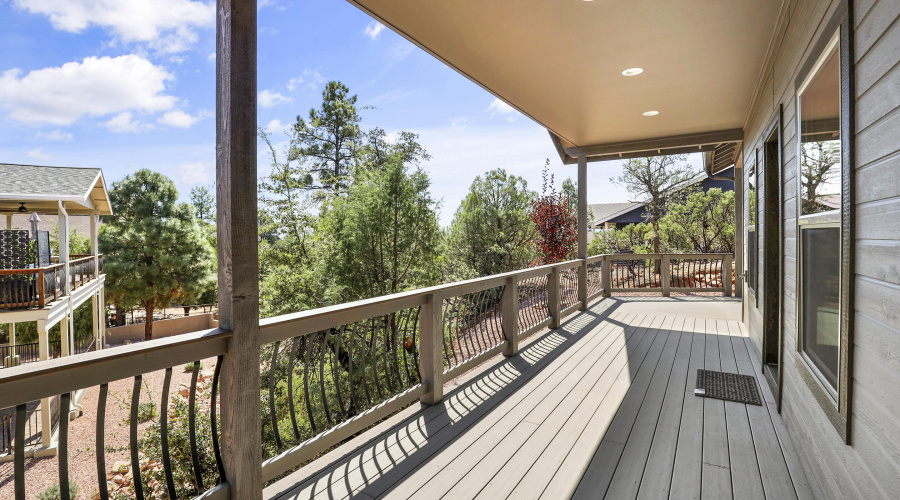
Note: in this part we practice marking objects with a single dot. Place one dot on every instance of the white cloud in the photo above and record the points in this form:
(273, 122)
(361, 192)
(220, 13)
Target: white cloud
(499, 107)
(179, 59)
(96, 86)
(56, 135)
(167, 26)
(293, 83)
(123, 122)
(211, 57)
(269, 99)
(276, 126)
(195, 173)
(374, 29)
(38, 153)
(181, 119)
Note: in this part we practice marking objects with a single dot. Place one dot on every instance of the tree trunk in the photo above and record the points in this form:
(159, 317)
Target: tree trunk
(149, 306)
(120, 315)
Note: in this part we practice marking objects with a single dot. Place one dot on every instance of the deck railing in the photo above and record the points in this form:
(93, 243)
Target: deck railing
(327, 374)
(39, 286)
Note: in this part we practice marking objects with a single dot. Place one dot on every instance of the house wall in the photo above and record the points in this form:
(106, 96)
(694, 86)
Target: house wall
(869, 467)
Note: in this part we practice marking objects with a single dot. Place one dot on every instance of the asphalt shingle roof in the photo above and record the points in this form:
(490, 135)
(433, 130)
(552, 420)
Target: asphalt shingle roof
(36, 180)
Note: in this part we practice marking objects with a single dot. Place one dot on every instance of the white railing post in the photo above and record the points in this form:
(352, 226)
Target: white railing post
(510, 315)
(665, 278)
(431, 348)
(606, 276)
(553, 298)
(726, 275)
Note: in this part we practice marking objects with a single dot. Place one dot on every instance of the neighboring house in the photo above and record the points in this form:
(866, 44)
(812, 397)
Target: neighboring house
(610, 215)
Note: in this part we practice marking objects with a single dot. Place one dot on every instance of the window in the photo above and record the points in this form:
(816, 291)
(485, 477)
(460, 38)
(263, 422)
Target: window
(820, 201)
(752, 238)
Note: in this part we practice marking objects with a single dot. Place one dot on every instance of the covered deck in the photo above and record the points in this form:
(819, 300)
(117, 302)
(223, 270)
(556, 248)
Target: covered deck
(603, 406)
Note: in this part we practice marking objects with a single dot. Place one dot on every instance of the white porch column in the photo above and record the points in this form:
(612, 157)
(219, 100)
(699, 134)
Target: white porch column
(9, 221)
(94, 244)
(63, 227)
(44, 352)
(101, 311)
(582, 230)
(236, 211)
(64, 345)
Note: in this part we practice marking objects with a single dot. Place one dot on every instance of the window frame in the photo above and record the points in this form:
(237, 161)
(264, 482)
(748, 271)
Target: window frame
(753, 225)
(836, 403)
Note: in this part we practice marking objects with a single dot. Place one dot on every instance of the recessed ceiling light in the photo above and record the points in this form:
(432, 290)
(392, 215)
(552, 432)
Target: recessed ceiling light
(651, 113)
(633, 71)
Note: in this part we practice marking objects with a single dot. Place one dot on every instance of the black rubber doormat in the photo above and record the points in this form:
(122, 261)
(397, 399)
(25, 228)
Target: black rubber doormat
(727, 386)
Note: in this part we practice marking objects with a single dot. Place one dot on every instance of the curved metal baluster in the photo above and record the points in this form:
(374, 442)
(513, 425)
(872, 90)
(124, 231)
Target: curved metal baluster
(445, 315)
(135, 462)
(373, 327)
(462, 334)
(353, 402)
(192, 431)
(365, 364)
(404, 332)
(394, 326)
(336, 372)
(322, 379)
(309, 411)
(64, 407)
(459, 353)
(273, 418)
(101, 447)
(479, 320)
(214, 428)
(291, 389)
(164, 434)
(19, 458)
(388, 379)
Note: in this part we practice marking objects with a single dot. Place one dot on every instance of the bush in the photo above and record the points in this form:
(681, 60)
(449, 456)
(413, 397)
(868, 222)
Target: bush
(190, 366)
(53, 493)
(146, 411)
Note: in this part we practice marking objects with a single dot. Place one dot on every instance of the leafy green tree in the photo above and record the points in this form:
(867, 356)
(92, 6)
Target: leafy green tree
(154, 251)
(204, 202)
(327, 143)
(383, 236)
(704, 223)
(492, 230)
(657, 181)
(633, 238)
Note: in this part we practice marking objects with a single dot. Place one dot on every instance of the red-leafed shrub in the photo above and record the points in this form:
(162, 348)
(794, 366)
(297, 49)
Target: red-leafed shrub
(554, 218)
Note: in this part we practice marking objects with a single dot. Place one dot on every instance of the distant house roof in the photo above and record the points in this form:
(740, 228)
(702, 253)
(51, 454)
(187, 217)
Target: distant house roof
(41, 188)
(634, 211)
(603, 212)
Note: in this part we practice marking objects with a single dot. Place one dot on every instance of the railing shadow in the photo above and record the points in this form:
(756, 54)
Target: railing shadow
(382, 462)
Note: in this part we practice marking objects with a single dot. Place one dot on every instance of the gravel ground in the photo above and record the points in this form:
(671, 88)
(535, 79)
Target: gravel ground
(43, 472)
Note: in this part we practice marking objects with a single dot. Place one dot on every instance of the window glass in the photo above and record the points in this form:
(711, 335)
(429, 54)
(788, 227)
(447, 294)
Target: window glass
(820, 132)
(821, 301)
(819, 103)
(752, 240)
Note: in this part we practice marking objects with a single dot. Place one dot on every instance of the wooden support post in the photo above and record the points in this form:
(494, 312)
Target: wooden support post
(431, 348)
(582, 230)
(726, 275)
(510, 315)
(236, 180)
(44, 353)
(553, 298)
(95, 246)
(606, 276)
(95, 317)
(9, 224)
(665, 277)
(65, 349)
(101, 295)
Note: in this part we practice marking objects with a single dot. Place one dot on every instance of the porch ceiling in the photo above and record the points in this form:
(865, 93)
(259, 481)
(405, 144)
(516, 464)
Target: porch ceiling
(561, 62)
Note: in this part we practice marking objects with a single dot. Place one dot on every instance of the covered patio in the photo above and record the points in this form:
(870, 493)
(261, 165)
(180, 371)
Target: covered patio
(603, 407)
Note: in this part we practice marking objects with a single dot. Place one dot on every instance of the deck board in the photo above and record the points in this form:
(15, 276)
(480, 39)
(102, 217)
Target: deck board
(602, 407)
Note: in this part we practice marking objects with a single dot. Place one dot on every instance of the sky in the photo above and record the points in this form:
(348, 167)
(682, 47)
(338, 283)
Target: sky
(128, 84)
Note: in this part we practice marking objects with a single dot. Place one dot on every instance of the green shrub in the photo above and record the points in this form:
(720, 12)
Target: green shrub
(52, 492)
(190, 366)
(146, 411)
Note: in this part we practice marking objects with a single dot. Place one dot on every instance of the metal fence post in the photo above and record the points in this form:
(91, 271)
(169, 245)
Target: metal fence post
(431, 348)
(726, 276)
(553, 298)
(510, 315)
(606, 276)
(666, 276)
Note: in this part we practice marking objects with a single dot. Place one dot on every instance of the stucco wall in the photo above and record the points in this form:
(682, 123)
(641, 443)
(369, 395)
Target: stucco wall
(162, 328)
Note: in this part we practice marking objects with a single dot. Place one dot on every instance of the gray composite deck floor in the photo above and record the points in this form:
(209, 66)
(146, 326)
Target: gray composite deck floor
(602, 407)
